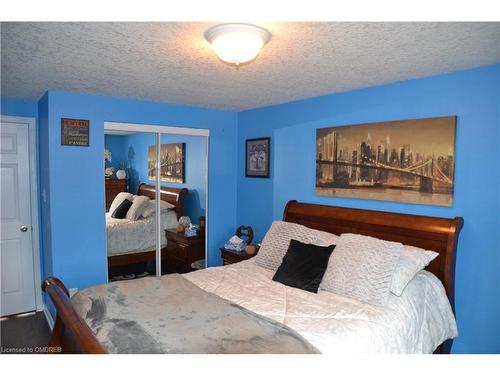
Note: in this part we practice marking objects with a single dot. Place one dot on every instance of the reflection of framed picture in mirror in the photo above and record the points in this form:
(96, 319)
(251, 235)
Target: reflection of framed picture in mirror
(172, 163)
(257, 157)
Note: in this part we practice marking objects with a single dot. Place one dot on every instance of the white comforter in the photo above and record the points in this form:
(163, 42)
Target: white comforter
(416, 322)
(127, 236)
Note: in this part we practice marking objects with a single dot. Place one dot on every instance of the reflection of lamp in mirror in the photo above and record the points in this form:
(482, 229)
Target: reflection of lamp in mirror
(185, 221)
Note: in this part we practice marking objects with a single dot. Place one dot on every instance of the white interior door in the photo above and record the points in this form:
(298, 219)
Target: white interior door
(16, 243)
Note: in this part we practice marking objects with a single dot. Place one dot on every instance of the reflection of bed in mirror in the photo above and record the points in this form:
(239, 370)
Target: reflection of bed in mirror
(130, 242)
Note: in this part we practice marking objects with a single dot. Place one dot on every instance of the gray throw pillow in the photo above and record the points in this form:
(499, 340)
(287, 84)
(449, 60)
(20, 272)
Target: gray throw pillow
(138, 205)
(277, 240)
(362, 268)
(412, 260)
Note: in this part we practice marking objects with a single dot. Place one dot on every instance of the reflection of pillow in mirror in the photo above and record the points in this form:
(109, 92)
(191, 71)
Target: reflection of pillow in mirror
(120, 197)
(138, 205)
(151, 208)
(122, 209)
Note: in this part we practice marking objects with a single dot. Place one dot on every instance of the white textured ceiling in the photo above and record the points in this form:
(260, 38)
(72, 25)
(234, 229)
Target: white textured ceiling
(172, 62)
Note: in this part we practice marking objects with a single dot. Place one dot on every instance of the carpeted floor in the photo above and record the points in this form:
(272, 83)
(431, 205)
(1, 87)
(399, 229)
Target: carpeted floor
(27, 333)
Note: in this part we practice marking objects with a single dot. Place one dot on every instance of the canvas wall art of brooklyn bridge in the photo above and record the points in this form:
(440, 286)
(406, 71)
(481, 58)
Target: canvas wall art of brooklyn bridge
(408, 161)
(172, 162)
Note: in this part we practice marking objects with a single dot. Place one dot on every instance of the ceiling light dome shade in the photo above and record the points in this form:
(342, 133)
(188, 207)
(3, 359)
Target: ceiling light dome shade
(237, 43)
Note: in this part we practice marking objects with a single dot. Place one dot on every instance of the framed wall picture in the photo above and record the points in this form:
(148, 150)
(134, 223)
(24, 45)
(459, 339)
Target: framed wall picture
(410, 161)
(258, 155)
(74, 132)
(172, 163)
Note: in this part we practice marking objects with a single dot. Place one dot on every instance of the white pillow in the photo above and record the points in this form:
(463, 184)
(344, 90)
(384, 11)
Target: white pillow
(362, 268)
(412, 260)
(151, 207)
(277, 239)
(138, 205)
(120, 197)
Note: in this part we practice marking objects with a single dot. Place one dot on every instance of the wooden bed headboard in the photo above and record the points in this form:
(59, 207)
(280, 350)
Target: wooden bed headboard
(168, 194)
(430, 233)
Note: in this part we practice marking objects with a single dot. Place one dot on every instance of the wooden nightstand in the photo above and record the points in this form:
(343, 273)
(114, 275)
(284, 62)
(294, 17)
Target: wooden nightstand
(230, 257)
(181, 251)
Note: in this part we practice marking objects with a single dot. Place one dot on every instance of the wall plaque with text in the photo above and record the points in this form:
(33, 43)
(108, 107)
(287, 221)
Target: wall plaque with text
(74, 132)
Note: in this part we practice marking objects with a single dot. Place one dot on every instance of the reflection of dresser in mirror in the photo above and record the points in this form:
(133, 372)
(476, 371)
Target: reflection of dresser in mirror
(113, 187)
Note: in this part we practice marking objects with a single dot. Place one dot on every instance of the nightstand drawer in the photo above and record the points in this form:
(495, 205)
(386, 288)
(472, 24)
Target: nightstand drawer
(177, 250)
(231, 257)
(181, 251)
(175, 265)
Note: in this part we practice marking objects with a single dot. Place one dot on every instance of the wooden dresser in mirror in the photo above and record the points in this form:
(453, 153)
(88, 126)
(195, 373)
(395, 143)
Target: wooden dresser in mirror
(113, 187)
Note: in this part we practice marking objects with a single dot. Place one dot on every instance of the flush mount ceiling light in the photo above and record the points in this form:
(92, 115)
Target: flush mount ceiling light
(237, 43)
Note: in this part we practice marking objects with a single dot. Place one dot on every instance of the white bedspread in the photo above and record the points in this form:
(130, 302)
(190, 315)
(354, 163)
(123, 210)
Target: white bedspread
(416, 322)
(126, 236)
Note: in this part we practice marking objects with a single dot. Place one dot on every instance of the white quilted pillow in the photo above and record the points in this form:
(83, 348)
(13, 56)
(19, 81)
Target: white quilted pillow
(277, 239)
(138, 205)
(120, 197)
(362, 268)
(412, 260)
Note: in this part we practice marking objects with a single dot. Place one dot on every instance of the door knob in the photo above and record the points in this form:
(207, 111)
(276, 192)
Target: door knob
(24, 228)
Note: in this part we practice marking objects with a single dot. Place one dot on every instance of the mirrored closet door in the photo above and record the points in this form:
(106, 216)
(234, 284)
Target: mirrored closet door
(130, 209)
(156, 201)
(183, 173)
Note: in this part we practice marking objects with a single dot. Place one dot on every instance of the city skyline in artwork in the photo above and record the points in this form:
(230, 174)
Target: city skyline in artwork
(405, 161)
(172, 158)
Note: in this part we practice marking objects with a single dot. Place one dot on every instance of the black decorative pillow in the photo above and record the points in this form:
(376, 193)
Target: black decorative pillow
(303, 266)
(122, 209)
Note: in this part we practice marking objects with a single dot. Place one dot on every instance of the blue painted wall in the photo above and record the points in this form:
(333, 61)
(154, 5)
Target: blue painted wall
(133, 149)
(75, 180)
(136, 151)
(116, 145)
(473, 96)
(255, 195)
(19, 107)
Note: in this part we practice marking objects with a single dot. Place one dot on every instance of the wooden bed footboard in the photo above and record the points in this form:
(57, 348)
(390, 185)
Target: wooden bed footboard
(70, 332)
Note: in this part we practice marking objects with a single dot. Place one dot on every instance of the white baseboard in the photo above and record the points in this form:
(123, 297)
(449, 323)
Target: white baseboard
(50, 320)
